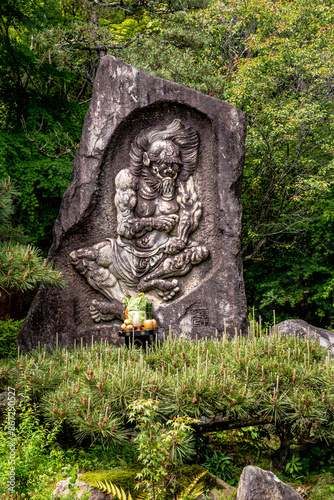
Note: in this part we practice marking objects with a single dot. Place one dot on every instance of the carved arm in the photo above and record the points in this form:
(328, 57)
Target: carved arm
(128, 225)
(191, 209)
(190, 214)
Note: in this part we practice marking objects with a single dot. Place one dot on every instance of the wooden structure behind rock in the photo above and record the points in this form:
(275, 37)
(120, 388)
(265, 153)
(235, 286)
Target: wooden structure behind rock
(154, 206)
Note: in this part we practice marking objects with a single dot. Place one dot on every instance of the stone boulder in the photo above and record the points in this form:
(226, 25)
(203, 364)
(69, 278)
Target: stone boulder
(225, 491)
(154, 206)
(303, 329)
(4, 399)
(62, 490)
(259, 484)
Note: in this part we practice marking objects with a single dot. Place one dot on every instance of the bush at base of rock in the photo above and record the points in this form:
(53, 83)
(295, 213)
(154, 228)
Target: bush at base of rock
(8, 337)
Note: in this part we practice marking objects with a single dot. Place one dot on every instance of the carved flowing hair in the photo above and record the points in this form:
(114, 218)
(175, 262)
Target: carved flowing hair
(186, 139)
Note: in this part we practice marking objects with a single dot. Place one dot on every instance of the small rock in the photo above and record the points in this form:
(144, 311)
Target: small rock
(215, 494)
(63, 490)
(4, 400)
(259, 484)
(301, 328)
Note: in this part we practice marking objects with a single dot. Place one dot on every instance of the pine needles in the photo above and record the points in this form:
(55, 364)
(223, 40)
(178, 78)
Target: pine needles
(269, 378)
(22, 267)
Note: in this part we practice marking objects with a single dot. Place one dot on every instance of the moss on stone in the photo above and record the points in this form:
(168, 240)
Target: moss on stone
(125, 478)
(186, 474)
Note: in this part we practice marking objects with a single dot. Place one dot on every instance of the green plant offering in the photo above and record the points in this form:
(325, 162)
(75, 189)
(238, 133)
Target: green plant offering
(136, 309)
(136, 303)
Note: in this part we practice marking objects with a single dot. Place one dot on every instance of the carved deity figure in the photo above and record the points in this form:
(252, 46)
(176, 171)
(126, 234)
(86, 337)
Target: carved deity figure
(157, 211)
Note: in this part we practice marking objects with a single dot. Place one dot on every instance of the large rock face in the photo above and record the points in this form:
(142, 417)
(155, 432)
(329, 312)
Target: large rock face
(259, 484)
(154, 206)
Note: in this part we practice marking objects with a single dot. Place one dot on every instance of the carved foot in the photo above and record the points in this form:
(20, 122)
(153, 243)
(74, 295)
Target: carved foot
(78, 262)
(171, 294)
(168, 288)
(104, 311)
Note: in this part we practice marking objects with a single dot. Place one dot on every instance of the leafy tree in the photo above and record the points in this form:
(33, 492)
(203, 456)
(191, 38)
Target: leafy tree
(156, 445)
(273, 60)
(51, 52)
(32, 93)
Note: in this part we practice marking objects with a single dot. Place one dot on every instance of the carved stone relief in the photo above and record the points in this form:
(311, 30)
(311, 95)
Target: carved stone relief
(154, 206)
(158, 209)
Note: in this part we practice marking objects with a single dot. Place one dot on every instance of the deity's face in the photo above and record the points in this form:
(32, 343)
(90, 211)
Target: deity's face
(164, 159)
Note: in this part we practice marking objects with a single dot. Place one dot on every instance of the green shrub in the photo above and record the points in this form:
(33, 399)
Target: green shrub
(8, 335)
(284, 381)
(180, 479)
(323, 489)
(36, 454)
(220, 465)
(156, 445)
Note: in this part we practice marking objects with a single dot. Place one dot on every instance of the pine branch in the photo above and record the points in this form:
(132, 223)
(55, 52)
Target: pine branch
(56, 139)
(99, 48)
(217, 423)
(107, 4)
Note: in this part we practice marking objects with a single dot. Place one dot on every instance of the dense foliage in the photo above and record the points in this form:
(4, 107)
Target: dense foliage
(8, 336)
(271, 59)
(32, 446)
(283, 382)
(267, 397)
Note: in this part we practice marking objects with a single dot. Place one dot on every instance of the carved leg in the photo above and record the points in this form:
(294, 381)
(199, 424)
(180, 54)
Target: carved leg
(90, 253)
(163, 285)
(95, 263)
(176, 265)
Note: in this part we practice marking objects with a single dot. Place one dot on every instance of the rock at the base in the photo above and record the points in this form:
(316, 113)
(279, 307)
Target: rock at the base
(62, 490)
(4, 399)
(303, 329)
(259, 484)
(215, 494)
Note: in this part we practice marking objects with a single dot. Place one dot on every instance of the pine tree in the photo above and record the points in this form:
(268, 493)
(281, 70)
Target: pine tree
(22, 266)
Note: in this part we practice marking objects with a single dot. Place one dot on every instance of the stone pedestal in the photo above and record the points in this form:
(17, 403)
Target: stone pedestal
(155, 206)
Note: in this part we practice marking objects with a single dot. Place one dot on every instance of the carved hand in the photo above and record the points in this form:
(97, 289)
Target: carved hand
(175, 245)
(165, 222)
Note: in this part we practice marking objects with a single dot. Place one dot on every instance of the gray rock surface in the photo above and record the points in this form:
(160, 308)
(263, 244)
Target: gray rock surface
(62, 490)
(4, 399)
(124, 103)
(215, 494)
(259, 484)
(303, 329)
